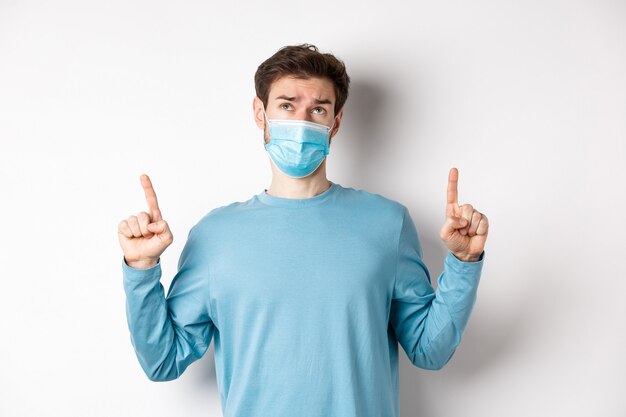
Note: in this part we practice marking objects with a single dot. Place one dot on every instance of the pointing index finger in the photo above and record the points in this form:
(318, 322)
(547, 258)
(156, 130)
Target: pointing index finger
(151, 198)
(453, 194)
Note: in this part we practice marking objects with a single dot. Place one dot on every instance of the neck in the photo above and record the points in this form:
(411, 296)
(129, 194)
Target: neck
(307, 187)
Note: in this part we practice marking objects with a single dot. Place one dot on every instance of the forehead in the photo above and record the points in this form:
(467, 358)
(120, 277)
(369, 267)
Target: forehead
(314, 87)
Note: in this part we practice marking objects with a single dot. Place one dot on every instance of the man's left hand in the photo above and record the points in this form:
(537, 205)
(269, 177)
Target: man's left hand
(465, 229)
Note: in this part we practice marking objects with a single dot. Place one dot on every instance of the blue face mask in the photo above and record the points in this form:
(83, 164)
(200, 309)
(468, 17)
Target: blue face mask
(297, 147)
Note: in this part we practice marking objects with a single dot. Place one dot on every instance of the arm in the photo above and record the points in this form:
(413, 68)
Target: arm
(429, 324)
(169, 333)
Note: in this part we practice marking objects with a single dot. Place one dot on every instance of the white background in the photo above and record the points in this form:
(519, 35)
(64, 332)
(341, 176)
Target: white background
(526, 98)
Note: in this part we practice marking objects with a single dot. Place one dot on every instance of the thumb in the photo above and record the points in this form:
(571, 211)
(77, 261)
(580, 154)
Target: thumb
(158, 227)
(451, 225)
(454, 223)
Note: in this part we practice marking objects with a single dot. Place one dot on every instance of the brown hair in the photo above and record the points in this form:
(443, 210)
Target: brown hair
(302, 61)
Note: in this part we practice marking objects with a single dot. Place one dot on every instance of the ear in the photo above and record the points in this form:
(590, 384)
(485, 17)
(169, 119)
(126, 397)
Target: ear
(335, 129)
(257, 108)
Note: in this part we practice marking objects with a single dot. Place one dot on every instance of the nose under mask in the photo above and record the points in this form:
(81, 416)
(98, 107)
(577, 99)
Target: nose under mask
(297, 147)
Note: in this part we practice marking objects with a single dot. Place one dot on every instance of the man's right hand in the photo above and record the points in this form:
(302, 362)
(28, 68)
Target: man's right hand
(145, 237)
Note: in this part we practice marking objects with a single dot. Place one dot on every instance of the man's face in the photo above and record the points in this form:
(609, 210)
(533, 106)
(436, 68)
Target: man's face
(290, 98)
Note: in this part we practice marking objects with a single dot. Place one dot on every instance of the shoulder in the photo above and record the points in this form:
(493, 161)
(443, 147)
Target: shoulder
(378, 205)
(376, 214)
(224, 214)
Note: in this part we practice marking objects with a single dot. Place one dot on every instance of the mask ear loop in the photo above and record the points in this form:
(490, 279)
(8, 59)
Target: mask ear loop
(267, 123)
(330, 130)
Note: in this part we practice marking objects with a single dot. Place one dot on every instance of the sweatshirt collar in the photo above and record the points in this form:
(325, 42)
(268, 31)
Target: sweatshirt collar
(271, 200)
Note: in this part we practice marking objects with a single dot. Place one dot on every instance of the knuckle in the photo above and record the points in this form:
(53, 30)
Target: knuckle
(124, 229)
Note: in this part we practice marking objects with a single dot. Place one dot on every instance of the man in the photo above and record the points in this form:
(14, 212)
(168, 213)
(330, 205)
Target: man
(306, 288)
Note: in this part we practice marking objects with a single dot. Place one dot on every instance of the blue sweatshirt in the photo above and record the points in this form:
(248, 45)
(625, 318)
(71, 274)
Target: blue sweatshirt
(306, 301)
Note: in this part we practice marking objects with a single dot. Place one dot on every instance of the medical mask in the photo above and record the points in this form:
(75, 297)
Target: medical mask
(297, 147)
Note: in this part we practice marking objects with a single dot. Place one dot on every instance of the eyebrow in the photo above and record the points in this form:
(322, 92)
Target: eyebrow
(284, 97)
(317, 101)
(323, 101)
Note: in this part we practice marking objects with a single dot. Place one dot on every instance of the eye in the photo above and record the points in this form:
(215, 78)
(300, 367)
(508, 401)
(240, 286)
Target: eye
(286, 106)
(319, 110)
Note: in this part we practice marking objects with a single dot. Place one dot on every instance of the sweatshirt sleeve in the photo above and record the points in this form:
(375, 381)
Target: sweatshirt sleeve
(170, 333)
(427, 323)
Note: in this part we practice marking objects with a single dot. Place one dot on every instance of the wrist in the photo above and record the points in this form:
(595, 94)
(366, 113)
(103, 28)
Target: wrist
(464, 257)
(142, 264)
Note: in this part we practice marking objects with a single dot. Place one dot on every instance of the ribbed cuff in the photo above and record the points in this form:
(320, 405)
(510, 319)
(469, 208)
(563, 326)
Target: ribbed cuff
(141, 275)
(462, 267)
